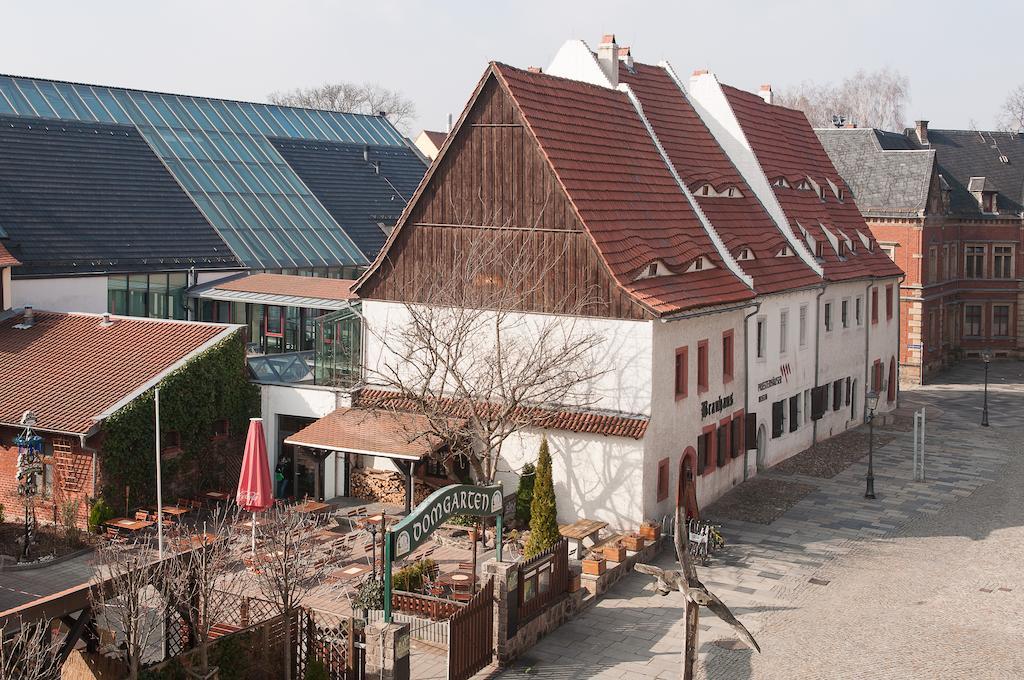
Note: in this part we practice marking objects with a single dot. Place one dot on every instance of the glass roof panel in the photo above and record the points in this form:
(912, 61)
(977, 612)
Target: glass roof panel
(36, 99)
(80, 108)
(55, 101)
(14, 97)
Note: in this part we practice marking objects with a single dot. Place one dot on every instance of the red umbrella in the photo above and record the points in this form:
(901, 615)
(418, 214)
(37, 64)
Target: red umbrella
(254, 490)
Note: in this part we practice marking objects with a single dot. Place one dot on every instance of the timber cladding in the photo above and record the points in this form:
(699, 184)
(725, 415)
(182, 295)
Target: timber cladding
(493, 192)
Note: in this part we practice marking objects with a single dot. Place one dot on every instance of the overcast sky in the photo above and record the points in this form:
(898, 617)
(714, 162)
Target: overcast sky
(961, 58)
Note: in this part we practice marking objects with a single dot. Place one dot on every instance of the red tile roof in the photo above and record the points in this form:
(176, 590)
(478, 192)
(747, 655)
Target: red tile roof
(611, 424)
(68, 369)
(436, 138)
(626, 197)
(294, 286)
(373, 431)
(786, 146)
(6, 259)
(698, 159)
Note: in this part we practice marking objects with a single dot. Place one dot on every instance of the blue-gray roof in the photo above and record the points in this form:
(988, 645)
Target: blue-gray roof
(362, 187)
(92, 197)
(220, 153)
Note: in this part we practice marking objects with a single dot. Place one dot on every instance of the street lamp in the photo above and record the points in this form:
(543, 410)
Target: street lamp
(871, 402)
(986, 355)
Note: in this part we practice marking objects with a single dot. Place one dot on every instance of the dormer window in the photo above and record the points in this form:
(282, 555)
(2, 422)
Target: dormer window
(700, 264)
(781, 182)
(710, 192)
(804, 185)
(842, 248)
(785, 251)
(819, 250)
(836, 189)
(984, 193)
(656, 268)
(744, 255)
(865, 240)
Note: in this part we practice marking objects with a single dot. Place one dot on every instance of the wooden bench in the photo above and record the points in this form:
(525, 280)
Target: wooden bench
(606, 542)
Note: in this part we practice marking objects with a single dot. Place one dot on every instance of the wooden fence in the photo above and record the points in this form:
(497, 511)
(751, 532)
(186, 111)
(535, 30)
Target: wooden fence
(435, 608)
(471, 635)
(542, 580)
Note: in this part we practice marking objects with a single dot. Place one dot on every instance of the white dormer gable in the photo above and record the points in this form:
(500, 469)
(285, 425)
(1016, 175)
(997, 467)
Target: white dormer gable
(700, 264)
(808, 239)
(832, 238)
(836, 190)
(706, 190)
(784, 251)
(865, 240)
(653, 269)
(576, 60)
(744, 255)
(846, 239)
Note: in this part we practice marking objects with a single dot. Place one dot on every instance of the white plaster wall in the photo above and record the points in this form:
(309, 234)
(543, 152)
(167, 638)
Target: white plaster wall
(623, 358)
(595, 476)
(676, 424)
(304, 401)
(63, 294)
(797, 359)
(575, 60)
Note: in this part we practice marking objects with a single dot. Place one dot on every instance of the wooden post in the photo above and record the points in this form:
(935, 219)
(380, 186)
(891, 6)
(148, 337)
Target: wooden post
(692, 629)
(350, 654)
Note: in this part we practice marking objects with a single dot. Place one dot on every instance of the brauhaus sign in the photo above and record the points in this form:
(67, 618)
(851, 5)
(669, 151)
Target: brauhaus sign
(458, 499)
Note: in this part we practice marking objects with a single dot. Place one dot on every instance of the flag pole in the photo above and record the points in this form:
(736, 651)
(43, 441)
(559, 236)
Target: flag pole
(159, 492)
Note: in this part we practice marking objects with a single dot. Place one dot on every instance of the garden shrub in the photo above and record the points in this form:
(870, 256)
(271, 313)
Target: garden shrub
(543, 511)
(410, 579)
(99, 513)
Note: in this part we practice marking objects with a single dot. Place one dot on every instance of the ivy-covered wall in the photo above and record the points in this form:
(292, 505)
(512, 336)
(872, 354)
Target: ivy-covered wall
(213, 386)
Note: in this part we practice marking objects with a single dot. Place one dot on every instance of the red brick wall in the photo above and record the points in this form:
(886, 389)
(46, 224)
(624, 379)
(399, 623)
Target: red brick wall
(72, 478)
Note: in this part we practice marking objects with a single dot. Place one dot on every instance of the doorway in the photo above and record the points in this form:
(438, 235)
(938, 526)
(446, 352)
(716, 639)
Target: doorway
(762, 444)
(686, 494)
(294, 463)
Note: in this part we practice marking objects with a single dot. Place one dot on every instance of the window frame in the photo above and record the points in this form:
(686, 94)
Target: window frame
(703, 376)
(874, 305)
(979, 320)
(728, 355)
(888, 302)
(663, 479)
(994, 332)
(682, 373)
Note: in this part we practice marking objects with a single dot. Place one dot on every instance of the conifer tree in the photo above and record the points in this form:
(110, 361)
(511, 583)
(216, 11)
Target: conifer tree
(524, 493)
(543, 512)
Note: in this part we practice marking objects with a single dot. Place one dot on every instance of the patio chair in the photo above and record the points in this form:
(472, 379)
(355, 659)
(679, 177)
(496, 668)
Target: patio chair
(113, 535)
(142, 515)
(699, 540)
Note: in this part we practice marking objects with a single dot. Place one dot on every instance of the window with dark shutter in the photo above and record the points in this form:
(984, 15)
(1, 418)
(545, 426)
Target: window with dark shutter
(737, 437)
(837, 394)
(819, 397)
(663, 479)
(794, 413)
(849, 392)
(702, 453)
(777, 416)
(723, 444)
(750, 436)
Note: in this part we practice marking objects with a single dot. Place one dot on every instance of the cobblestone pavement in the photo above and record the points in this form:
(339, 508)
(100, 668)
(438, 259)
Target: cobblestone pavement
(924, 582)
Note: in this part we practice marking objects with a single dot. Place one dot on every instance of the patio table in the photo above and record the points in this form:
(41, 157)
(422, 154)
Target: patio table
(580, 531)
(349, 572)
(310, 507)
(216, 496)
(174, 511)
(129, 525)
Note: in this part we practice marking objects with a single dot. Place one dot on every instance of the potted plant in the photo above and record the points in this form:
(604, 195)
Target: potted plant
(594, 564)
(614, 552)
(633, 542)
(650, 530)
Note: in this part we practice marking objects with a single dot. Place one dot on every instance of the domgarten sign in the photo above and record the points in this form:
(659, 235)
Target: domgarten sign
(413, 531)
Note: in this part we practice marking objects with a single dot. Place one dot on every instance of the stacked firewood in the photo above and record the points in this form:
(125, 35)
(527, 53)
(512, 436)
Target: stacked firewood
(384, 486)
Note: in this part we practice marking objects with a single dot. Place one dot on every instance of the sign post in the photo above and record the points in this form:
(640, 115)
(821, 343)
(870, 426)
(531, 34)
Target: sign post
(413, 531)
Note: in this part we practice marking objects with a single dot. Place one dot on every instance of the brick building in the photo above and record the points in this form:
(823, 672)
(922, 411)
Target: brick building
(73, 371)
(948, 207)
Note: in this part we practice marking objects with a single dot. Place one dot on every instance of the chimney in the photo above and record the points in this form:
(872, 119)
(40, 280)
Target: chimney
(449, 123)
(921, 128)
(608, 58)
(535, 69)
(766, 94)
(106, 320)
(626, 57)
(28, 319)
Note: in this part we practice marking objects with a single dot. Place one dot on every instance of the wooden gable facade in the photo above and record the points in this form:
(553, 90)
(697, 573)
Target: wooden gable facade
(493, 181)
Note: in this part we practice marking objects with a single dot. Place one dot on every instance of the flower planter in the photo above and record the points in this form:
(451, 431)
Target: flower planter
(650, 532)
(633, 542)
(574, 583)
(594, 567)
(614, 553)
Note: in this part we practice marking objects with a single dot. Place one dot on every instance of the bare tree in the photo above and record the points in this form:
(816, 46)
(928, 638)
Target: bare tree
(130, 597)
(290, 563)
(367, 98)
(695, 595)
(1011, 113)
(465, 356)
(208, 564)
(875, 99)
(29, 651)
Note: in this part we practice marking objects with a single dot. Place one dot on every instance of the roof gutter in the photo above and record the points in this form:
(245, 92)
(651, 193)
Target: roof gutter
(705, 311)
(817, 353)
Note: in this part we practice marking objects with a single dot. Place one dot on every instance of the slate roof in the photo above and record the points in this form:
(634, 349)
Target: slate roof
(963, 154)
(785, 145)
(611, 424)
(91, 197)
(69, 370)
(698, 159)
(356, 195)
(626, 197)
(886, 180)
(372, 431)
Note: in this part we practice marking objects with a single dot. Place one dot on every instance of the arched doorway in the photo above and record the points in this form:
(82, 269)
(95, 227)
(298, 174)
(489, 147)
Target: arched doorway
(762, 445)
(686, 495)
